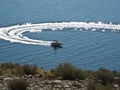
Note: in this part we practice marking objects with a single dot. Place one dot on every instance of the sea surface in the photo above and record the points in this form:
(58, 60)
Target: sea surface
(85, 48)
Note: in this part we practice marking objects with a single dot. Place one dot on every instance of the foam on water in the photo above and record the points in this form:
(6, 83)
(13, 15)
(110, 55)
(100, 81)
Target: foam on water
(15, 33)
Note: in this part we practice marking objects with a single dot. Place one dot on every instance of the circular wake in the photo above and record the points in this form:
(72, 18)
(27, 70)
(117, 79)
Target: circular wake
(15, 33)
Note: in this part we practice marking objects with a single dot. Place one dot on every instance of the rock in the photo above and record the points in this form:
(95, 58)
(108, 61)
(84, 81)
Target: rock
(66, 86)
(2, 77)
(24, 75)
(16, 77)
(29, 76)
(36, 75)
(7, 79)
(1, 85)
(4, 88)
(36, 83)
(57, 81)
(116, 86)
(57, 86)
(58, 78)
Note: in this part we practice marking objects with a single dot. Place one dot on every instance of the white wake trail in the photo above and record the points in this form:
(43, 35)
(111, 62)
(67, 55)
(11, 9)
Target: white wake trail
(15, 33)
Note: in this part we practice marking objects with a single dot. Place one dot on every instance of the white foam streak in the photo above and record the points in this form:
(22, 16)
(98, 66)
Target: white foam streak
(15, 33)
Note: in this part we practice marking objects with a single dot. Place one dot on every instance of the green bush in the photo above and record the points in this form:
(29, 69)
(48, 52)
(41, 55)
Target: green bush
(69, 72)
(106, 76)
(16, 69)
(18, 84)
(9, 65)
(1, 72)
(116, 73)
(28, 69)
(10, 68)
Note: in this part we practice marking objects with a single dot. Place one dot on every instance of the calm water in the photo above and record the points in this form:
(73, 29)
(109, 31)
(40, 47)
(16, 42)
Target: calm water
(85, 49)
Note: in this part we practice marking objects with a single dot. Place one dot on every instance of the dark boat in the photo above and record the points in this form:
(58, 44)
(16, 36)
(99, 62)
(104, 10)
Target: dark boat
(55, 44)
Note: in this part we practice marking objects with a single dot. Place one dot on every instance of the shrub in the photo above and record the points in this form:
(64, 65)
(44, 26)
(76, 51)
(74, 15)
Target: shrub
(9, 65)
(91, 86)
(105, 76)
(102, 87)
(49, 74)
(116, 73)
(41, 72)
(68, 72)
(10, 68)
(28, 69)
(1, 71)
(15, 69)
(91, 81)
(18, 84)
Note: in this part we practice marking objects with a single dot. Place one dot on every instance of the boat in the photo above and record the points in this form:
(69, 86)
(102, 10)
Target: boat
(55, 44)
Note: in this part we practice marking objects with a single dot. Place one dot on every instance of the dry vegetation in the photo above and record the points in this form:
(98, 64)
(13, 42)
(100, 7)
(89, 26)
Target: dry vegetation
(18, 84)
(101, 79)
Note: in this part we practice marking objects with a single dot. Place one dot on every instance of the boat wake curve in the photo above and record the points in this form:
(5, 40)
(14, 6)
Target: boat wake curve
(15, 33)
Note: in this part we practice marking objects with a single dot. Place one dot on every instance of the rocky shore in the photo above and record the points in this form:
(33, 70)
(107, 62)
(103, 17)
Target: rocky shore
(36, 83)
(64, 77)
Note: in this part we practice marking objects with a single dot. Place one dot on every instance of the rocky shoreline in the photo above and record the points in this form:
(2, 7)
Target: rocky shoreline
(36, 83)
(64, 77)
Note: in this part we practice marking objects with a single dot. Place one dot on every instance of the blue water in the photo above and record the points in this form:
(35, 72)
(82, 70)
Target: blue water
(85, 49)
